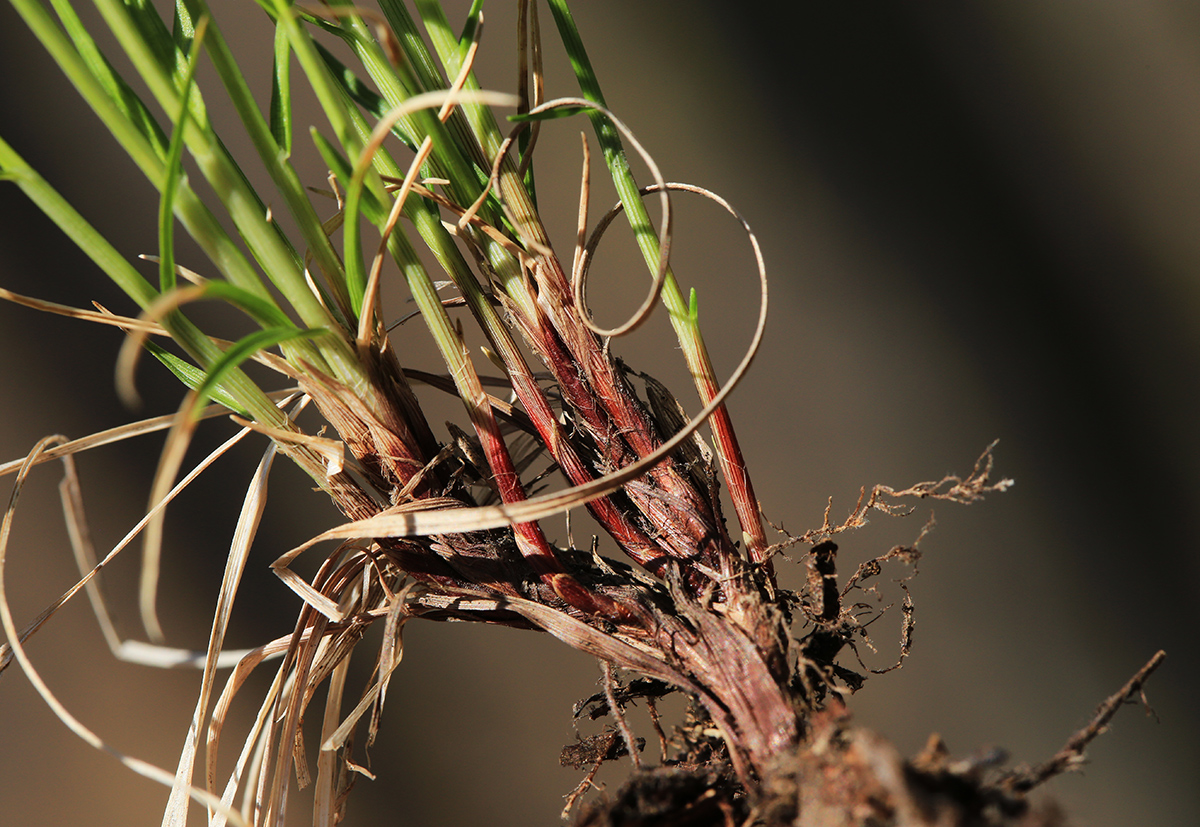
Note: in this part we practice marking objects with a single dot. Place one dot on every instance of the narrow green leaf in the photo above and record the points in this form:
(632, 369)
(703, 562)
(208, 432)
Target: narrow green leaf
(360, 93)
(273, 251)
(452, 51)
(75, 226)
(157, 37)
(245, 348)
(474, 19)
(622, 176)
(281, 94)
(184, 30)
(413, 45)
(288, 276)
(192, 376)
(142, 140)
(352, 254)
(262, 311)
(451, 157)
(126, 100)
(174, 163)
(331, 155)
(123, 274)
(318, 76)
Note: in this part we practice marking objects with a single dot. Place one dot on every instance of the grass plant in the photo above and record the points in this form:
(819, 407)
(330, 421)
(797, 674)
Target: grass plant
(425, 166)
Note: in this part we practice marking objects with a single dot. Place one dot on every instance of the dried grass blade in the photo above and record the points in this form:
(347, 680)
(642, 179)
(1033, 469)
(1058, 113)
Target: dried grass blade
(129, 650)
(123, 432)
(391, 651)
(172, 657)
(143, 768)
(243, 537)
(80, 538)
(124, 322)
(585, 189)
(131, 348)
(579, 635)
(254, 738)
(390, 656)
(171, 458)
(276, 773)
(333, 450)
(369, 321)
(345, 729)
(325, 794)
(321, 603)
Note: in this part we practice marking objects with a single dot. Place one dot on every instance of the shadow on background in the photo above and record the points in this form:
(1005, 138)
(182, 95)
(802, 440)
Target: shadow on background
(981, 223)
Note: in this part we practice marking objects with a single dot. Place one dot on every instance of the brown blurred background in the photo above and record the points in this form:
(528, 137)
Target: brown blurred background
(981, 223)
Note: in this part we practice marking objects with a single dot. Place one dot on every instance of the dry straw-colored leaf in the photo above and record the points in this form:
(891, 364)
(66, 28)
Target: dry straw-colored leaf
(137, 765)
(243, 537)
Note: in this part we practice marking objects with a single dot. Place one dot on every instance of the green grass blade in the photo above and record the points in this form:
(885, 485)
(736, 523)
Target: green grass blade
(264, 239)
(480, 140)
(166, 208)
(170, 53)
(452, 51)
(281, 94)
(472, 124)
(14, 168)
(371, 207)
(184, 29)
(146, 146)
(450, 159)
(273, 155)
(315, 72)
(126, 100)
(614, 155)
(360, 93)
(245, 348)
(241, 390)
(192, 377)
(265, 313)
(412, 45)
(474, 20)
